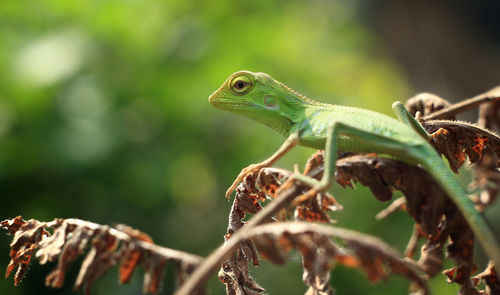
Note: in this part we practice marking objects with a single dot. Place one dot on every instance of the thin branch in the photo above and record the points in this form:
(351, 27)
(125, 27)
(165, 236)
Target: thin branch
(491, 95)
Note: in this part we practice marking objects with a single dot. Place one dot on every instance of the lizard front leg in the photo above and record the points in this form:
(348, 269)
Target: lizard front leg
(289, 143)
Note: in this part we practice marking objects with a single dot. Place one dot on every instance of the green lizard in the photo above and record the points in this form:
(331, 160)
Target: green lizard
(337, 128)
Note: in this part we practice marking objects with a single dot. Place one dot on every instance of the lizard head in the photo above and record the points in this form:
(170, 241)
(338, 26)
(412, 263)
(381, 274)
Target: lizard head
(259, 97)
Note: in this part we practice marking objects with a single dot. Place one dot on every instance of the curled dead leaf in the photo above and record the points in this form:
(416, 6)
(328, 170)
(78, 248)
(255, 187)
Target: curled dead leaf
(108, 247)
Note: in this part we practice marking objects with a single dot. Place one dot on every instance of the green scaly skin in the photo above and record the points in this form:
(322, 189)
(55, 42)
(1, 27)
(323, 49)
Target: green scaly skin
(340, 128)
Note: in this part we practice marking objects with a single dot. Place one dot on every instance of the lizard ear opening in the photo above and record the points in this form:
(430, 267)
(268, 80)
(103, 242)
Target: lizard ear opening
(270, 102)
(241, 84)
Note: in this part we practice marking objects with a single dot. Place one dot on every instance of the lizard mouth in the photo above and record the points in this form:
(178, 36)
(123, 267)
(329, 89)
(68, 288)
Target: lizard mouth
(225, 103)
(213, 97)
(228, 103)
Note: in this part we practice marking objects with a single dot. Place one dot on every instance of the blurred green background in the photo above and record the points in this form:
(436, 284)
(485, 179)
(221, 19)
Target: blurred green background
(104, 113)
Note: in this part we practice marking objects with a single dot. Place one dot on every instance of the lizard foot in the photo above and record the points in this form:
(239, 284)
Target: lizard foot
(316, 187)
(304, 197)
(244, 172)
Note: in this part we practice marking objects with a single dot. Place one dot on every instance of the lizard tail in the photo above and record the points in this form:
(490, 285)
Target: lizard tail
(435, 166)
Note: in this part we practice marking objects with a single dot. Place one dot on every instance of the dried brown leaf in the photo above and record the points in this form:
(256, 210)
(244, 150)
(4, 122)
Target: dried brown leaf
(98, 260)
(27, 236)
(490, 277)
(426, 104)
(133, 255)
(318, 253)
(12, 225)
(486, 180)
(434, 213)
(131, 258)
(108, 246)
(489, 113)
(153, 271)
(237, 278)
(52, 245)
(71, 250)
(458, 141)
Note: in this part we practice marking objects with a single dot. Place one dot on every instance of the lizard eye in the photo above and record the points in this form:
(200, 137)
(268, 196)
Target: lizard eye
(241, 84)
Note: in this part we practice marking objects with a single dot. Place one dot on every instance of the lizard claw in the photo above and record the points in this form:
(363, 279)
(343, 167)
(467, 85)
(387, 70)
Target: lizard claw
(244, 172)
